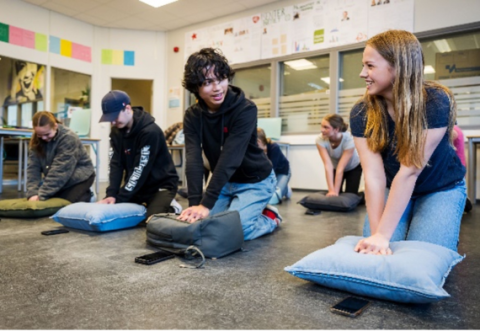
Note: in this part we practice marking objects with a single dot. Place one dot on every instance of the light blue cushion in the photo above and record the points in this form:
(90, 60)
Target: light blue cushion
(414, 273)
(100, 217)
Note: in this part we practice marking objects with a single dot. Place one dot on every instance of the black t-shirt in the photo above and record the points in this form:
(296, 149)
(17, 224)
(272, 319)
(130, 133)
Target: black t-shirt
(444, 168)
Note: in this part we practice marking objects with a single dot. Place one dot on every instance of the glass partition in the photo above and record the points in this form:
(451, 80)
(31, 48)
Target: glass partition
(255, 82)
(69, 91)
(304, 94)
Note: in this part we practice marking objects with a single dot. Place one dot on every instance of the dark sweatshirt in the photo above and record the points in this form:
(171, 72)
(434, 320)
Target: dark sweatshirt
(228, 138)
(143, 154)
(281, 166)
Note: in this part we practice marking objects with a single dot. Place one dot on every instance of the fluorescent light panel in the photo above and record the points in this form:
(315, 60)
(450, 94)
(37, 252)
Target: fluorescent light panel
(301, 64)
(428, 70)
(157, 3)
(442, 46)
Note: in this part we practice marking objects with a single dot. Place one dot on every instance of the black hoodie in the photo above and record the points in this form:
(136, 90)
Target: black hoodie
(143, 154)
(228, 138)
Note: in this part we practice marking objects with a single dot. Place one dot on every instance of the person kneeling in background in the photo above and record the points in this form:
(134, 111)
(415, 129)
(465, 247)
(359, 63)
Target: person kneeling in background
(280, 164)
(57, 153)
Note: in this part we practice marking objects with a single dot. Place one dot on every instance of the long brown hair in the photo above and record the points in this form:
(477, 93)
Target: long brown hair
(41, 118)
(404, 53)
(263, 137)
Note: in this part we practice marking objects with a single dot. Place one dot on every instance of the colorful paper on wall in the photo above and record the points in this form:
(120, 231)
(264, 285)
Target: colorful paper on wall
(54, 45)
(117, 57)
(28, 39)
(129, 58)
(65, 48)
(81, 52)
(40, 42)
(4, 33)
(106, 56)
(16, 36)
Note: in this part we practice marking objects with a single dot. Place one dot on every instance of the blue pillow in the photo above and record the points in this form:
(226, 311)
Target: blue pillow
(100, 217)
(414, 273)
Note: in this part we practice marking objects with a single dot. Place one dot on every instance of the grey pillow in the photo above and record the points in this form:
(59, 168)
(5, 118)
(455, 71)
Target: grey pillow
(319, 201)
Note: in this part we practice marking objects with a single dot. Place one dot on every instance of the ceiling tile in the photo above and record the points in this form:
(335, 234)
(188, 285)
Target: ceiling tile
(79, 6)
(131, 7)
(227, 10)
(36, 2)
(200, 17)
(59, 8)
(157, 16)
(91, 19)
(107, 13)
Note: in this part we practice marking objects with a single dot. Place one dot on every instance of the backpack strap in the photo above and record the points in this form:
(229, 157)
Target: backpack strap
(190, 254)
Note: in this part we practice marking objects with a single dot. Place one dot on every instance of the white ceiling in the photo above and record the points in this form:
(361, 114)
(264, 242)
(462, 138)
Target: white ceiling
(133, 14)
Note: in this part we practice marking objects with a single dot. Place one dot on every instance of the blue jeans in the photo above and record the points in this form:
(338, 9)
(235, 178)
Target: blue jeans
(250, 201)
(434, 218)
(282, 188)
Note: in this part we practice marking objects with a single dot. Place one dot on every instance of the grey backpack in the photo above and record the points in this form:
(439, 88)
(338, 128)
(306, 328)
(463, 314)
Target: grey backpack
(214, 236)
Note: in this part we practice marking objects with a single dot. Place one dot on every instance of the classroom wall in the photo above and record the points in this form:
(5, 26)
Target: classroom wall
(150, 58)
(307, 168)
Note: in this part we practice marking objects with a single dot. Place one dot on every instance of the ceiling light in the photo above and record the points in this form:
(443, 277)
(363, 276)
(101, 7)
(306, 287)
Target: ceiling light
(315, 86)
(301, 64)
(326, 80)
(442, 46)
(157, 3)
(428, 70)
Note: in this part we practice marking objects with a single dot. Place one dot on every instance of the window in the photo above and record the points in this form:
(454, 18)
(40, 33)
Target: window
(455, 62)
(351, 86)
(255, 82)
(70, 90)
(21, 91)
(304, 94)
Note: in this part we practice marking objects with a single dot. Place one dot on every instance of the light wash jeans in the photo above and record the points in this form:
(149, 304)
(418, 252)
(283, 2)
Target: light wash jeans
(282, 188)
(434, 218)
(250, 201)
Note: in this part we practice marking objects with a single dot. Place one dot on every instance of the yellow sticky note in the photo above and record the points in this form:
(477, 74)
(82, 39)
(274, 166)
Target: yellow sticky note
(117, 57)
(65, 48)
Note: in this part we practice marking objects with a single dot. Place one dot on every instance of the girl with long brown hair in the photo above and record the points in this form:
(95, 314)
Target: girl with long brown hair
(340, 158)
(414, 181)
(58, 164)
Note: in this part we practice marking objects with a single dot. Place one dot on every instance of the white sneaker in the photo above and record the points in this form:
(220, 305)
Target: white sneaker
(176, 206)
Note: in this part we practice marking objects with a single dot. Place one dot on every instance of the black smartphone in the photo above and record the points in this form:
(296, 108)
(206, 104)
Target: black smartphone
(154, 257)
(351, 307)
(52, 232)
(312, 212)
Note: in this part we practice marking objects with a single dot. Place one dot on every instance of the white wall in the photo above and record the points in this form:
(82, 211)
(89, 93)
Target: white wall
(307, 168)
(149, 50)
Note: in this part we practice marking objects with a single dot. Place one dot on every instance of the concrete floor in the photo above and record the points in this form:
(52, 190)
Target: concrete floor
(83, 280)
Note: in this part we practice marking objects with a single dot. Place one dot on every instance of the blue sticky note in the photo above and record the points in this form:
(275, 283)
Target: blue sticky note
(54, 45)
(129, 58)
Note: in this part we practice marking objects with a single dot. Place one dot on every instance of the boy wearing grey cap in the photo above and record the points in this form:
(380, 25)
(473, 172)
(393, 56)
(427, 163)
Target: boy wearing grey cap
(138, 155)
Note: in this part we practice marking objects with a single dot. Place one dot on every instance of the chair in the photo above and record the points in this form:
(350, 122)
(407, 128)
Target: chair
(80, 122)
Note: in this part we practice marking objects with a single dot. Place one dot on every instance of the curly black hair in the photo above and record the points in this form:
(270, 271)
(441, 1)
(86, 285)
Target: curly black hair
(197, 65)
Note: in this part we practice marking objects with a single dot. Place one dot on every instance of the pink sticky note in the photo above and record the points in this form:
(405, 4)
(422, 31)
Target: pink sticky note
(16, 36)
(29, 39)
(81, 52)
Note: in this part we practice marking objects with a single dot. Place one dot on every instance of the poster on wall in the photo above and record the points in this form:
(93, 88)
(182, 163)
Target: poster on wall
(302, 27)
(347, 22)
(195, 41)
(25, 83)
(276, 33)
(221, 37)
(247, 36)
(399, 13)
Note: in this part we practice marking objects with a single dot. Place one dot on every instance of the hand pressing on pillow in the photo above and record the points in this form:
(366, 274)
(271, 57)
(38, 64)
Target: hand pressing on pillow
(376, 244)
(34, 198)
(108, 201)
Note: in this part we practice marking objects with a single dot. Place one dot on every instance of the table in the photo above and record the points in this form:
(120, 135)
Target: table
(23, 154)
(181, 149)
(473, 141)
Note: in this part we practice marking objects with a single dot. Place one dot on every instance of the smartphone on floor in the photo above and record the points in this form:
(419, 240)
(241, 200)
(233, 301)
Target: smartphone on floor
(154, 257)
(351, 307)
(52, 232)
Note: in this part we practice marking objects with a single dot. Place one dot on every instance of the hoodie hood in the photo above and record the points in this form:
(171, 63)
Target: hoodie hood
(233, 99)
(141, 119)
